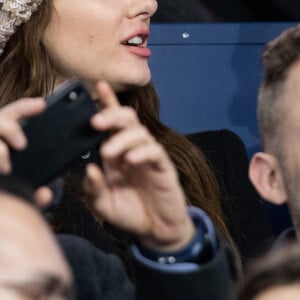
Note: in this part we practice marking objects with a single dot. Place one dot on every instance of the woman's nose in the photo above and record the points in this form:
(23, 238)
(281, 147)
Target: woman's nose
(144, 8)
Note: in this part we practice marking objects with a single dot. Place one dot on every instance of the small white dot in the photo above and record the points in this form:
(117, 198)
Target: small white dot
(86, 155)
(171, 260)
(162, 260)
(73, 96)
(185, 35)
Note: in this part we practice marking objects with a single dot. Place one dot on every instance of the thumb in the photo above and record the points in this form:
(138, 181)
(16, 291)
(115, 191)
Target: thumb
(43, 197)
(97, 192)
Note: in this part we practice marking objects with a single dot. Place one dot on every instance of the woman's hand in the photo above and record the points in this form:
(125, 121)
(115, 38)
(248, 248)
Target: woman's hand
(138, 190)
(11, 135)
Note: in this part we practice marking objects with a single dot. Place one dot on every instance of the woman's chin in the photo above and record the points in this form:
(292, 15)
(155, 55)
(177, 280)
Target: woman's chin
(122, 87)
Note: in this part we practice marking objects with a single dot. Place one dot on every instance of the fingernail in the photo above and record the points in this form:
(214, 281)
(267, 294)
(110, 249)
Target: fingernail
(6, 167)
(109, 148)
(99, 120)
(133, 156)
(33, 101)
(91, 171)
(20, 141)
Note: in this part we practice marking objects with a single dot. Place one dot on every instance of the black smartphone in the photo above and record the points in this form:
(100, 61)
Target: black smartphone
(57, 136)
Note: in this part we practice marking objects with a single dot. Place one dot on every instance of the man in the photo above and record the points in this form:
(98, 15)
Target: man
(32, 265)
(275, 173)
(274, 276)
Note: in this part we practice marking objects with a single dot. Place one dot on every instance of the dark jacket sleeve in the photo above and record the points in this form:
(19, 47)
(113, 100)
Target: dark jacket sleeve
(215, 280)
(101, 276)
(242, 207)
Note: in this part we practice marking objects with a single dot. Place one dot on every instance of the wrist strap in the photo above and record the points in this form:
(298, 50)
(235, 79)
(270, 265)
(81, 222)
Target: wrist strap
(200, 248)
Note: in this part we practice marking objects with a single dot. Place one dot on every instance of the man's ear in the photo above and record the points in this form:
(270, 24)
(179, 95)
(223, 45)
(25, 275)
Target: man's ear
(266, 175)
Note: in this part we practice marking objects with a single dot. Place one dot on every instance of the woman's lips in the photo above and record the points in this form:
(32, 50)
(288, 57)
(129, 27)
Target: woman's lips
(139, 50)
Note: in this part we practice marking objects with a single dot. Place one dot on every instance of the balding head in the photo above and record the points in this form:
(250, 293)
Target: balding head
(31, 262)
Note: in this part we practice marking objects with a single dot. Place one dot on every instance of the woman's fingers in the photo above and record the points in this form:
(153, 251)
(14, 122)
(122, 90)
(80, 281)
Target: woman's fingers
(125, 140)
(43, 196)
(93, 181)
(25, 107)
(5, 165)
(10, 129)
(98, 195)
(97, 192)
(115, 119)
(107, 96)
(152, 153)
(12, 133)
(130, 137)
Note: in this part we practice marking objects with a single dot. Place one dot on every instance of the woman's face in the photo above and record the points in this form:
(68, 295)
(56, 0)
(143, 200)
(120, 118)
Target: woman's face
(101, 39)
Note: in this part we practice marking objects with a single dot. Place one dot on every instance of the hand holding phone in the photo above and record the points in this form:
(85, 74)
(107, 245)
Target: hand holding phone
(56, 137)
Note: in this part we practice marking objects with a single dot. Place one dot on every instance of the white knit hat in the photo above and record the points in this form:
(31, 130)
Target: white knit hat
(12, 14)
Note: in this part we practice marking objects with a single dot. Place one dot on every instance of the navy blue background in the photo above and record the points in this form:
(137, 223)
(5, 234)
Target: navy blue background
(207, 76)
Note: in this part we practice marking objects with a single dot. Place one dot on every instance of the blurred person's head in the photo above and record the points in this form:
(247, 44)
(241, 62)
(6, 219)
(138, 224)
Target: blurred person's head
(276, 171)
(274, 277)
(31, 263)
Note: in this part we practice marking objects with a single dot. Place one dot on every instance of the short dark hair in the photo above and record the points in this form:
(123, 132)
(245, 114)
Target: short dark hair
(278, 57)
(281, 267)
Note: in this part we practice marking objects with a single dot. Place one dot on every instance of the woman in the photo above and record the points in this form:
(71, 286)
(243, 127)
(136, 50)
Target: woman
(105, 40)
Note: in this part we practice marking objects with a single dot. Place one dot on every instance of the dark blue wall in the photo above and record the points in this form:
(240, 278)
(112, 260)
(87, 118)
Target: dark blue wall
(207, 75)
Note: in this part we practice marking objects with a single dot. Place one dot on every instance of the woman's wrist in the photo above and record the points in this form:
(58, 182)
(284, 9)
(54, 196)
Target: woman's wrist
(185, 232)
(200, 249)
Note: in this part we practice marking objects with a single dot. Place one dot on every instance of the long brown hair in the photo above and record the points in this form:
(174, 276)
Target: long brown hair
(25, 70)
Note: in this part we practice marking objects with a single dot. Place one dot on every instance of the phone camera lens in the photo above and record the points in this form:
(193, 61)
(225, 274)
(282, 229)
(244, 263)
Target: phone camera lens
(73, 96)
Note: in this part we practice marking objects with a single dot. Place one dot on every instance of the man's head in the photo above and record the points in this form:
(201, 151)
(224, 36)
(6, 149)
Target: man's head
(31, 263)
(275, 172)
(275, 276)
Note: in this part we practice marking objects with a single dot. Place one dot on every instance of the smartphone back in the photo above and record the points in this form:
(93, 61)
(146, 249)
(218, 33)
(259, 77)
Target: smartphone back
(57, 136)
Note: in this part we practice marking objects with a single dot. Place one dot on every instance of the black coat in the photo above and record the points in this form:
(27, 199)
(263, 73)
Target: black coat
(248, 223)
(98, 275)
